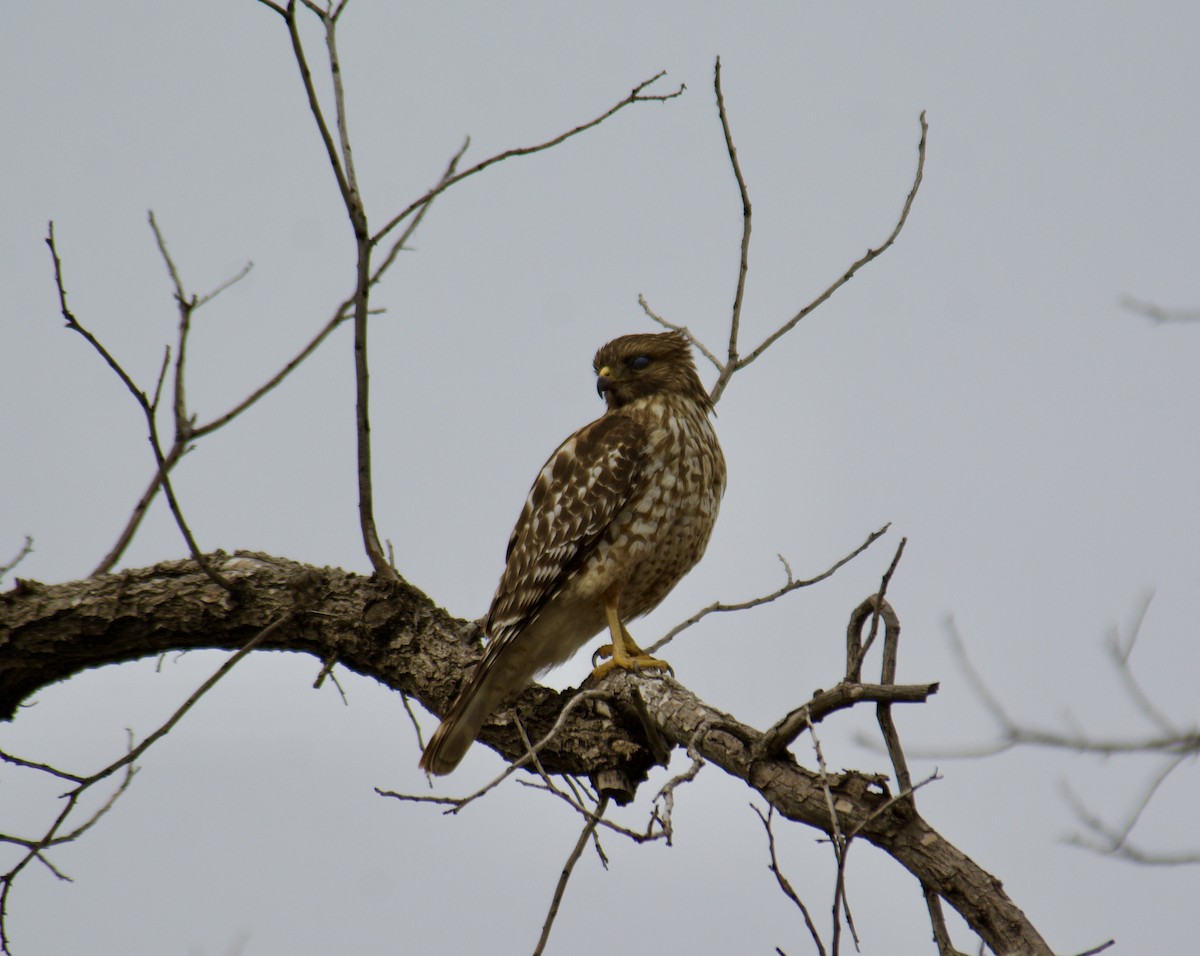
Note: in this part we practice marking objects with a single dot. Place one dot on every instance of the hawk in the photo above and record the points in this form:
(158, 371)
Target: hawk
(616, 517)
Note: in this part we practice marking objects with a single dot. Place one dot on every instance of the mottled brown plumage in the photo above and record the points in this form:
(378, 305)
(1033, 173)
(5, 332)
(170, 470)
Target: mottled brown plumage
(617, 516)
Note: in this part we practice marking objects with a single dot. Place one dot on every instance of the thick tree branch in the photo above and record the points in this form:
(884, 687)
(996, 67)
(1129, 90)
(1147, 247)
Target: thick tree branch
(395, 634)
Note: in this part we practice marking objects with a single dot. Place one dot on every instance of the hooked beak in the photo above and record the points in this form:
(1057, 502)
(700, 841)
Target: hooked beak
(604, 382)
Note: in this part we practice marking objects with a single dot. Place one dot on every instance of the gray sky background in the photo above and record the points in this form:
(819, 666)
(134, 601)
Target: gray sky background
(979, 386)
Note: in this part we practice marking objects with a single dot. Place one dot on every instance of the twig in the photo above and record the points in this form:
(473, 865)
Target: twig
(682, 329)
(149, 407)
(589, 829)
(791, 585)
(1156, 313)
(1176, 744)
(782, 880)
(1098, 949)
(314, 104)
(456, 804)
(636, 95)
(399, 243)
(841, 847)
(26, 551)
(340, 315)
(73, 324)
(868, 256)
(875, 608)
(666, 793)
(1120, 655)
(413, 720)
(732, 364)
(1114, 841)
(199, 431)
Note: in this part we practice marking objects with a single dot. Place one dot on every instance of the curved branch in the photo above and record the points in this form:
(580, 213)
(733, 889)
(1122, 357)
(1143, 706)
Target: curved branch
(397, 635)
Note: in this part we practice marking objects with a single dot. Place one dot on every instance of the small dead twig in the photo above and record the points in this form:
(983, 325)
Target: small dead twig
(637, 95)
(841, 847)
(1156, 313)
(455, 804)
(790, 585)
(588, 833)
(782, 880)
(26, 551)
(735, 319)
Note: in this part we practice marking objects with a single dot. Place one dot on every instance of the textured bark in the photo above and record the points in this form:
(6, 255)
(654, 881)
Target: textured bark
(395, 634)
(391, 632)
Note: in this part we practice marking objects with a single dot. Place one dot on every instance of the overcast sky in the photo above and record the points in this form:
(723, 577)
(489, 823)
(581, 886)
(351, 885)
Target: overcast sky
(980, 386)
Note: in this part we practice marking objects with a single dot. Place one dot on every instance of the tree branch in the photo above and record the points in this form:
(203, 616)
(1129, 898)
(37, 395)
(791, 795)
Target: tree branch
(636, 95)
(395, 634)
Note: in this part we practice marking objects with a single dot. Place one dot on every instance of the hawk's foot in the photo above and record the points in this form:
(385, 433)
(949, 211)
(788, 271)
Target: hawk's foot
(639, 661)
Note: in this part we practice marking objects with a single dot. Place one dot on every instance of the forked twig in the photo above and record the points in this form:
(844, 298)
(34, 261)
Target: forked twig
(735, 361)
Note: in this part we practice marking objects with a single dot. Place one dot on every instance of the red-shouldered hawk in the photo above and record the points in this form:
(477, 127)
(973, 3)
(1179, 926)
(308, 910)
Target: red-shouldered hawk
(618, 515)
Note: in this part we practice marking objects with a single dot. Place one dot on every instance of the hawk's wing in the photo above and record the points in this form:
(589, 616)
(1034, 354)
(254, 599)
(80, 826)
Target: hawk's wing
(579, 491)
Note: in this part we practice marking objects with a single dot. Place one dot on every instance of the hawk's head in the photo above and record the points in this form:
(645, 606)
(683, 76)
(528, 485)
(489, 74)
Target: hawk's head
(637, 366)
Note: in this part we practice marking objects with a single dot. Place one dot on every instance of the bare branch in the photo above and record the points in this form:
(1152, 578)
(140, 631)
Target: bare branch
(840, 844)
(782, 880)
(684, 330)
(874, 607)
(339, 99)
(314, 103)
(1156, 313)
(588, 832)
(1114, 841)
(26, 551)
(1012, 733)
(841, 697)
(1098, 949)
(849, 274)
(458, 803)
(398, 636)
(73, 324)
(856, 650)
(636, 95)
(400, 243)
(222, 286)
(1175, 744)
(1120, 655)
(340, 315)
(731, 365)
(791, 585)
(163, 460)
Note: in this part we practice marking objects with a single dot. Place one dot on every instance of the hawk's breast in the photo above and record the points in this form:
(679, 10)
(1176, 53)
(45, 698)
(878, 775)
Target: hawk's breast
(664, 528)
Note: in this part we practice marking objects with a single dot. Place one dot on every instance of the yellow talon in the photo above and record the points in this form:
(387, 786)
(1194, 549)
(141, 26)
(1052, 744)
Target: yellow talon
(623, 652)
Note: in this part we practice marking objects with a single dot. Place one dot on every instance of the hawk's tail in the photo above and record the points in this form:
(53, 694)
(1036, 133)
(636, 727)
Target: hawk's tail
(457, 730)
(496, 677)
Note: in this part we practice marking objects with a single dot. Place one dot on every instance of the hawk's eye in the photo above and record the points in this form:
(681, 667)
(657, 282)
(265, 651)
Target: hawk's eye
(640, 362)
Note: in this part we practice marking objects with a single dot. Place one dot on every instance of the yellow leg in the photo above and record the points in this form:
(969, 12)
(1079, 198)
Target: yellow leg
(623, 652)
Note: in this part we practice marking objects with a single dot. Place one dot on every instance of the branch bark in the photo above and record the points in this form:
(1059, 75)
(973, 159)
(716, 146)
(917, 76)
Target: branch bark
(394, 633)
